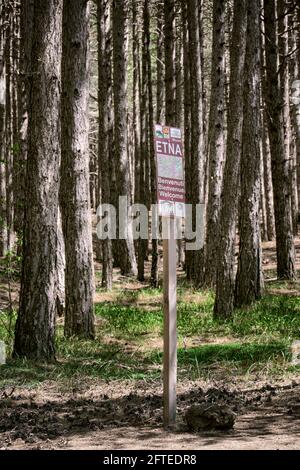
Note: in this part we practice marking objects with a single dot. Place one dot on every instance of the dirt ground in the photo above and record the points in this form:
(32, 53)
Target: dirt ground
(129, 417)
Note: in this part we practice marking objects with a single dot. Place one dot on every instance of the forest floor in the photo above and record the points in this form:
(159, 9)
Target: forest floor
(107, 393)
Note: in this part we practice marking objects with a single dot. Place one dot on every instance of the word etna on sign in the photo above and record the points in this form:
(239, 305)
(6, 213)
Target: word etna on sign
(170, 171)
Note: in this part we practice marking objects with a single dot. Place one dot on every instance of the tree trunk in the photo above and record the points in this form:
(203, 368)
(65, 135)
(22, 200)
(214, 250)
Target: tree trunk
(170, 54)
(216, 140)
(127, 258)
(105, 102)
(263, 205)
(154, 259)
(179, 69)
(136, 114)
(249, 279)
(75, 191)
(225, 281)
(294, 62)
(144, 155)
(186, 111)
(267, 169)
(268, 185)
(17, 108)
(24, 45)
(179, 108)
(296, 105)
(196, 167)
(3, 233)
(280, 165)
(160, 88)
(35, 327)
(284, 83)
(9, 134)
(61, 268)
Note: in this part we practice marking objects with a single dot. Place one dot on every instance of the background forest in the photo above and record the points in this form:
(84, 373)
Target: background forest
(82, 84)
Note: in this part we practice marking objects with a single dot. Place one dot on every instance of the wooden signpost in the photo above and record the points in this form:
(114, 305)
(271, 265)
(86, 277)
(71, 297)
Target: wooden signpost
(171, 203)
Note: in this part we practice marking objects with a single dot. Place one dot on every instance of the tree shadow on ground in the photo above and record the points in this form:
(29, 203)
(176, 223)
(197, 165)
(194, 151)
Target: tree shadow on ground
(258, 411)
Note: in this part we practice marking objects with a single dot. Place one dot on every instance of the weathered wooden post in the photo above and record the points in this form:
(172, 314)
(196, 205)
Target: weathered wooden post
(170, 324)
(171, 201)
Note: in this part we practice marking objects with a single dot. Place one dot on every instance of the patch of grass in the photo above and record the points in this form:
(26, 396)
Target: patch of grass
(230, 359)
(243, 353)
(7, 328)
(261, 336)
(275, 316)
(194, 318)
(10, 265)
(127, 321)
(79, 359)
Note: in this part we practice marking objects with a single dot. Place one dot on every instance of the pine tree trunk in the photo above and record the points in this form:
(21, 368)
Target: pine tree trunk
(202, 45)
(263, 205)
(144, 155)
(283, 51)
(75, 191)
(9, 143)
(3, 233)
(126, 251)
(61, 268)
(35, 327)
(216, 141)
(160, 88)
(280, 165)
(268, 185)
(196, 166)
(294, 28)
(296, 105)
(154, 258)
(186, 111)
(249, 279)
(225, 284)
(267, 167)
(136, 114)
(105, 102)
(170, 54)
(179, 69)
(24, 44)
(179, 108)
(17, 106)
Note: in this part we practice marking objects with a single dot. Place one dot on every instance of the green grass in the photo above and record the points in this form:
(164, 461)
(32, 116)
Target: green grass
(275, 316)
(79, 359)
(257, 338)
(242, 354)
(231, 359)
(127, 321)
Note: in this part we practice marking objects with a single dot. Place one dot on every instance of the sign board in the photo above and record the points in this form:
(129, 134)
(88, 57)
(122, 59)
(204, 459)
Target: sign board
(171, 204)
(170, 171)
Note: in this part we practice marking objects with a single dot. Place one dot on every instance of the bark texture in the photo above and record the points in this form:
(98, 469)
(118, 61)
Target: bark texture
(170, 55)
(126, 253)
(35, 327)
(75, 194)
(196, 164)
(105, 142)
(225, 285)
(216, 140)
(280, 165)
(249, 279)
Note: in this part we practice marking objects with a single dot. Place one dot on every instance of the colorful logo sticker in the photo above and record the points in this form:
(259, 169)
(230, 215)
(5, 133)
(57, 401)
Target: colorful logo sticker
(175, 133)
(166, 132)
(159, 131)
